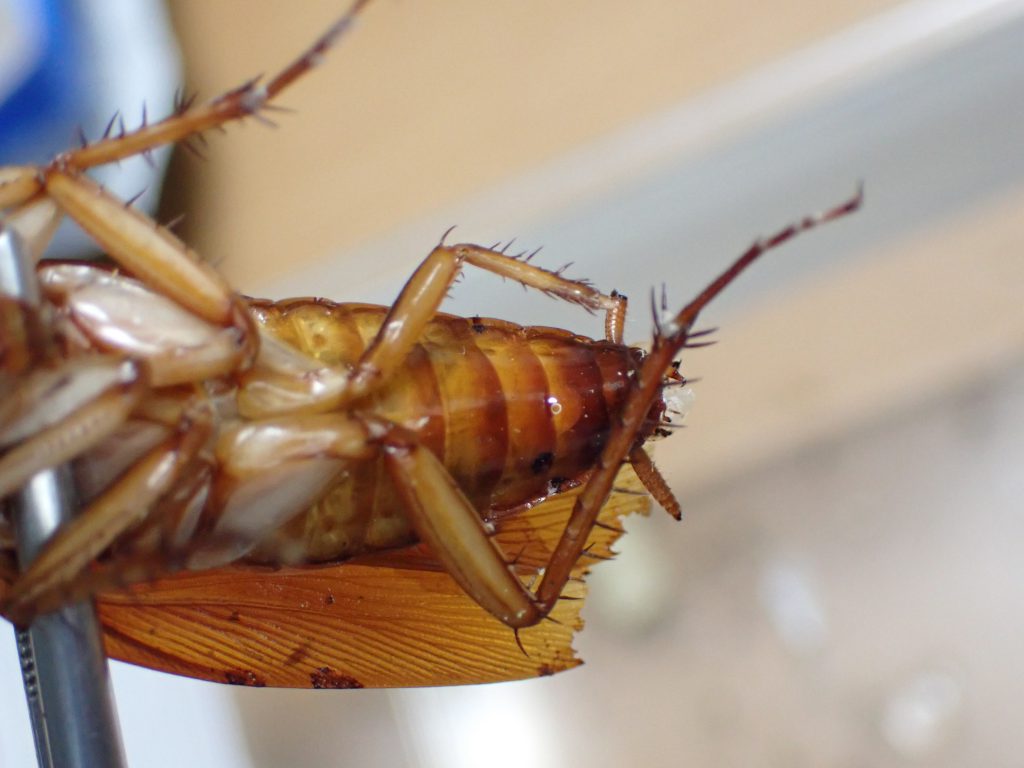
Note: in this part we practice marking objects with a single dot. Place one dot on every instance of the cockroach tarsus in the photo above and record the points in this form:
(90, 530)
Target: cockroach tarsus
(209, 428)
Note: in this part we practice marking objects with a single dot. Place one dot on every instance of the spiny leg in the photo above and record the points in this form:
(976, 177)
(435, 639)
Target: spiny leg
(438, 509)
(138, 244)
(422, 295)
(245, 101)
(267, 472)
(18, 184)
(286, 381)
(155, 255)
(447, 522)
(144, 552)
(133, 240)
(669, 338)
(54, 415)
(652, 480)
(126, 503)
(115, 314)
(615, 319)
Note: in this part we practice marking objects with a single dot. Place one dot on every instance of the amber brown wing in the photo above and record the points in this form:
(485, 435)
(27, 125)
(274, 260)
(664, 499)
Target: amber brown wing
(370, 625)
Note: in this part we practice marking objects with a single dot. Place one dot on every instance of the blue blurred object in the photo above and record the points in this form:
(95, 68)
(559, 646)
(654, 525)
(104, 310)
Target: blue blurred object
(48, 93)
(68, 66)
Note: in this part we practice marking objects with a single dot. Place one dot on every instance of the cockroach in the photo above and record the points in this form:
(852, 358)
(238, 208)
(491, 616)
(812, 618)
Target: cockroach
(252, 446)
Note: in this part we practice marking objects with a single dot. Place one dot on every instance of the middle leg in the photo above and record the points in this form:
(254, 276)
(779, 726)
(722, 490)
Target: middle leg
(422, 295)
(286, 381)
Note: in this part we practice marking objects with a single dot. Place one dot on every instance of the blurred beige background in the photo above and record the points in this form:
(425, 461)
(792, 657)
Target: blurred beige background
(429, 103)
(845, 589)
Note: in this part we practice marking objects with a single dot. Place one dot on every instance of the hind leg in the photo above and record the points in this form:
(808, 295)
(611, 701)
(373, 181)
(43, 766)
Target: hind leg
(670, 338)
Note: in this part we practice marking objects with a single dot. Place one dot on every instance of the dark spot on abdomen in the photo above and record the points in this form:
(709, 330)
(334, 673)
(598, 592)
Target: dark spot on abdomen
(542, 463)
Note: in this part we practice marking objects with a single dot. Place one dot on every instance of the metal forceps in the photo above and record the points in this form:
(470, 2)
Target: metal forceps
(64, 669)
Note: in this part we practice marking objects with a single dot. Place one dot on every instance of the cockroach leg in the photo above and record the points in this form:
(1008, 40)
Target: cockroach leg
(18, 184)
(575, 291)
(654, 482)
(445, 519)
(117, 314)
(133, 240)
(248, 432)
(422, 295)
(272, 470)
(148, 251)
(615, 319)
(670, 339)
(175, 519)
(55, 415)
(286, 380)
(122, 506)
(157, 257)
(154, 548)
(244, 101)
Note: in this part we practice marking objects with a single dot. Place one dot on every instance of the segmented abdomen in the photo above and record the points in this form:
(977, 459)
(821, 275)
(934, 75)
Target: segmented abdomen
(514, 412)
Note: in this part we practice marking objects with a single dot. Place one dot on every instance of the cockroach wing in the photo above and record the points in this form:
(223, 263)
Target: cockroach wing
(390, 622)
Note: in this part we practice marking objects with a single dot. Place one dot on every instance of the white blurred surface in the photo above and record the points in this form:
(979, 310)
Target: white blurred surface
(166, 721)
